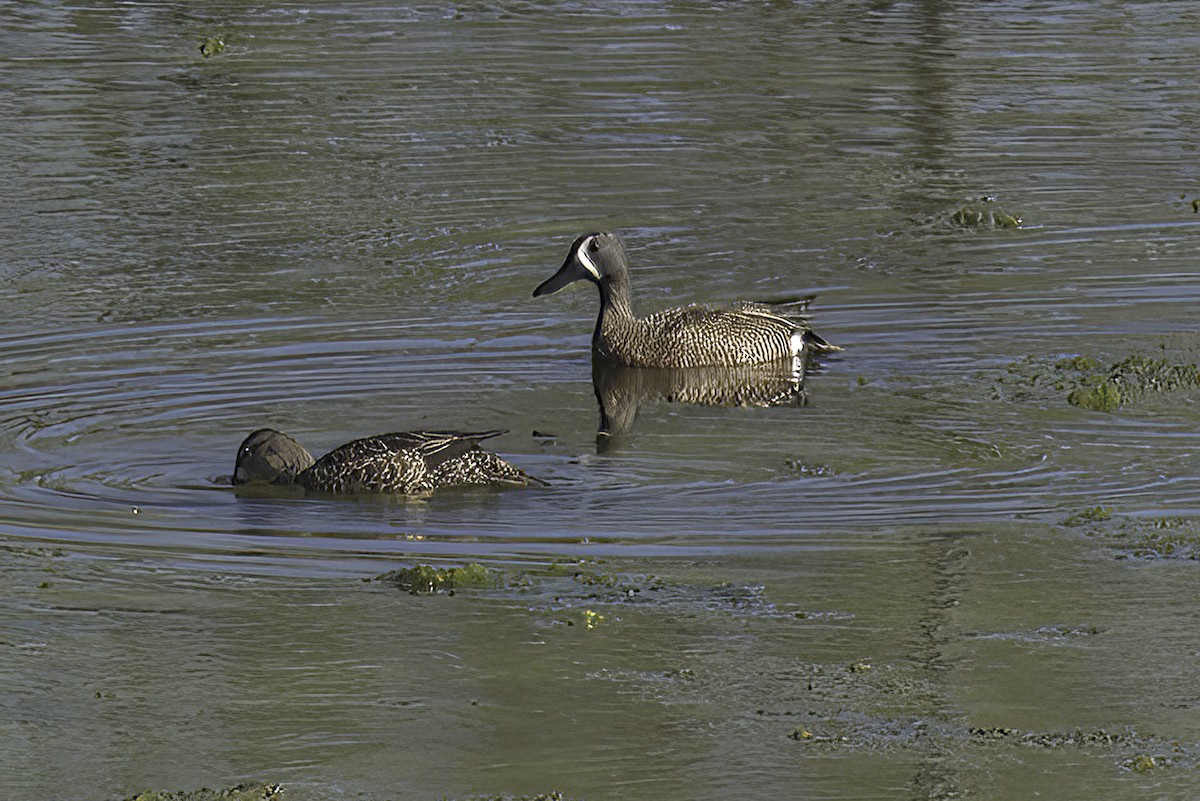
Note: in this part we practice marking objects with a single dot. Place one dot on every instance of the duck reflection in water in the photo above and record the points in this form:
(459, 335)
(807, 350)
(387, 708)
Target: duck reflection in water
(621, 390)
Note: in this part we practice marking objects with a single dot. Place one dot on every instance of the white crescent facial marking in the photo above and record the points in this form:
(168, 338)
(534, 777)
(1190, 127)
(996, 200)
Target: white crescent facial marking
(586, 260)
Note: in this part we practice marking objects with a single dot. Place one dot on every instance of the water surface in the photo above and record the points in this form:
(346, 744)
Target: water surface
(333, 227)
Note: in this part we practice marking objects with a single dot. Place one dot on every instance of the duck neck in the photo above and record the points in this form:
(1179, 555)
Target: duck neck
(616, 302)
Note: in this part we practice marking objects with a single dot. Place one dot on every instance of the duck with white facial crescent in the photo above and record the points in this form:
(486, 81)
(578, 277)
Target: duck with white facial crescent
(741, 333)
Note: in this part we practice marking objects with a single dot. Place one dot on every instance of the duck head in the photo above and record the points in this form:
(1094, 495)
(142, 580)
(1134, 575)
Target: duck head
(270, 457)
(596, 257)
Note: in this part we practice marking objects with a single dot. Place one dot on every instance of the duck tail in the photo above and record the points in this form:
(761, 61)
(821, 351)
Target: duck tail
(480, 436)
(818, 345)
(790, 304)
(498, 470)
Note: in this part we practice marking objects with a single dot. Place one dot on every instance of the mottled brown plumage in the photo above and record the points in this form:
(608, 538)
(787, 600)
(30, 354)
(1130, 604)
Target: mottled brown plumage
(410, 462)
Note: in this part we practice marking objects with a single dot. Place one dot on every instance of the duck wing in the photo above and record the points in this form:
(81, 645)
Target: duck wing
(720, 336)
(437, 447)
(371, 464)
(779, 312)
(793, 312)
(399, 462)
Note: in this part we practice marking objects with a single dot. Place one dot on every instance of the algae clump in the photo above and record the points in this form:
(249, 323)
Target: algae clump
(1144, 762)
(1095, 514)
(1131, 379)
(1140, 538)
(211, 46)
(1156, 538)
(1142, 374)
(982, 214)
(1099, 396)
(431, 580)
(1088, 384)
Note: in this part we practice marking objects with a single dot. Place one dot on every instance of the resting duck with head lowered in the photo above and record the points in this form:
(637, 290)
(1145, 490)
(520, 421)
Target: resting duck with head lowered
(408, 462)
(742, 333)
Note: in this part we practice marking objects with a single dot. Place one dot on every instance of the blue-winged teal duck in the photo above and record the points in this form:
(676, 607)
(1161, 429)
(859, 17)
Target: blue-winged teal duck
(408, 462)
(742, 333)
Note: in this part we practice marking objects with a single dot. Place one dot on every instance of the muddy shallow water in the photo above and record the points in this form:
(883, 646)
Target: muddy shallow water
(941, 573)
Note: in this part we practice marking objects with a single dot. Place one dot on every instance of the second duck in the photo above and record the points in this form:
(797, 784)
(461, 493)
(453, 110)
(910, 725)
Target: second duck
(742, 333)
(406, 462)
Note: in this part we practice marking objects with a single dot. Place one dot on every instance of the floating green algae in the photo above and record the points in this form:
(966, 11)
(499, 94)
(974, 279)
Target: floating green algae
(1132, 751)
(1086, 364)
(1155, 538)
(959, 214)
(1144, 538)
(1093, 514)
(1130, 380)
(1089, 384)
(976, 214)
(588, 585)
(1141, 763)
(431, 580)
(1057, 739)
(1031, 379)
(211, 46)
(1099, 395)
(984, 213)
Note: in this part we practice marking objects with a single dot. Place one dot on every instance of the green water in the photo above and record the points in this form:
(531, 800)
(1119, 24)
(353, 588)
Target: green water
(333, 226)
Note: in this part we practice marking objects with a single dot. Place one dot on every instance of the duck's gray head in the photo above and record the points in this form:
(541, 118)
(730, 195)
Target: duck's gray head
(595, 257)
(270, 457)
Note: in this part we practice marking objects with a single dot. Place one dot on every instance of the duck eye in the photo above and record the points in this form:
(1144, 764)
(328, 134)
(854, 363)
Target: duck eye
(593, 245)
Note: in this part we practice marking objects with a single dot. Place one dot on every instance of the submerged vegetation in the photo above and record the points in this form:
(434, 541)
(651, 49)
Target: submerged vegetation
(1088, 383)
(583, 584)
(1153, 538)
(982, 213)
(431, 580)
(211, 45)
(1139, 537)
(1095, 514)
(855, 695)
(1129, 380)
